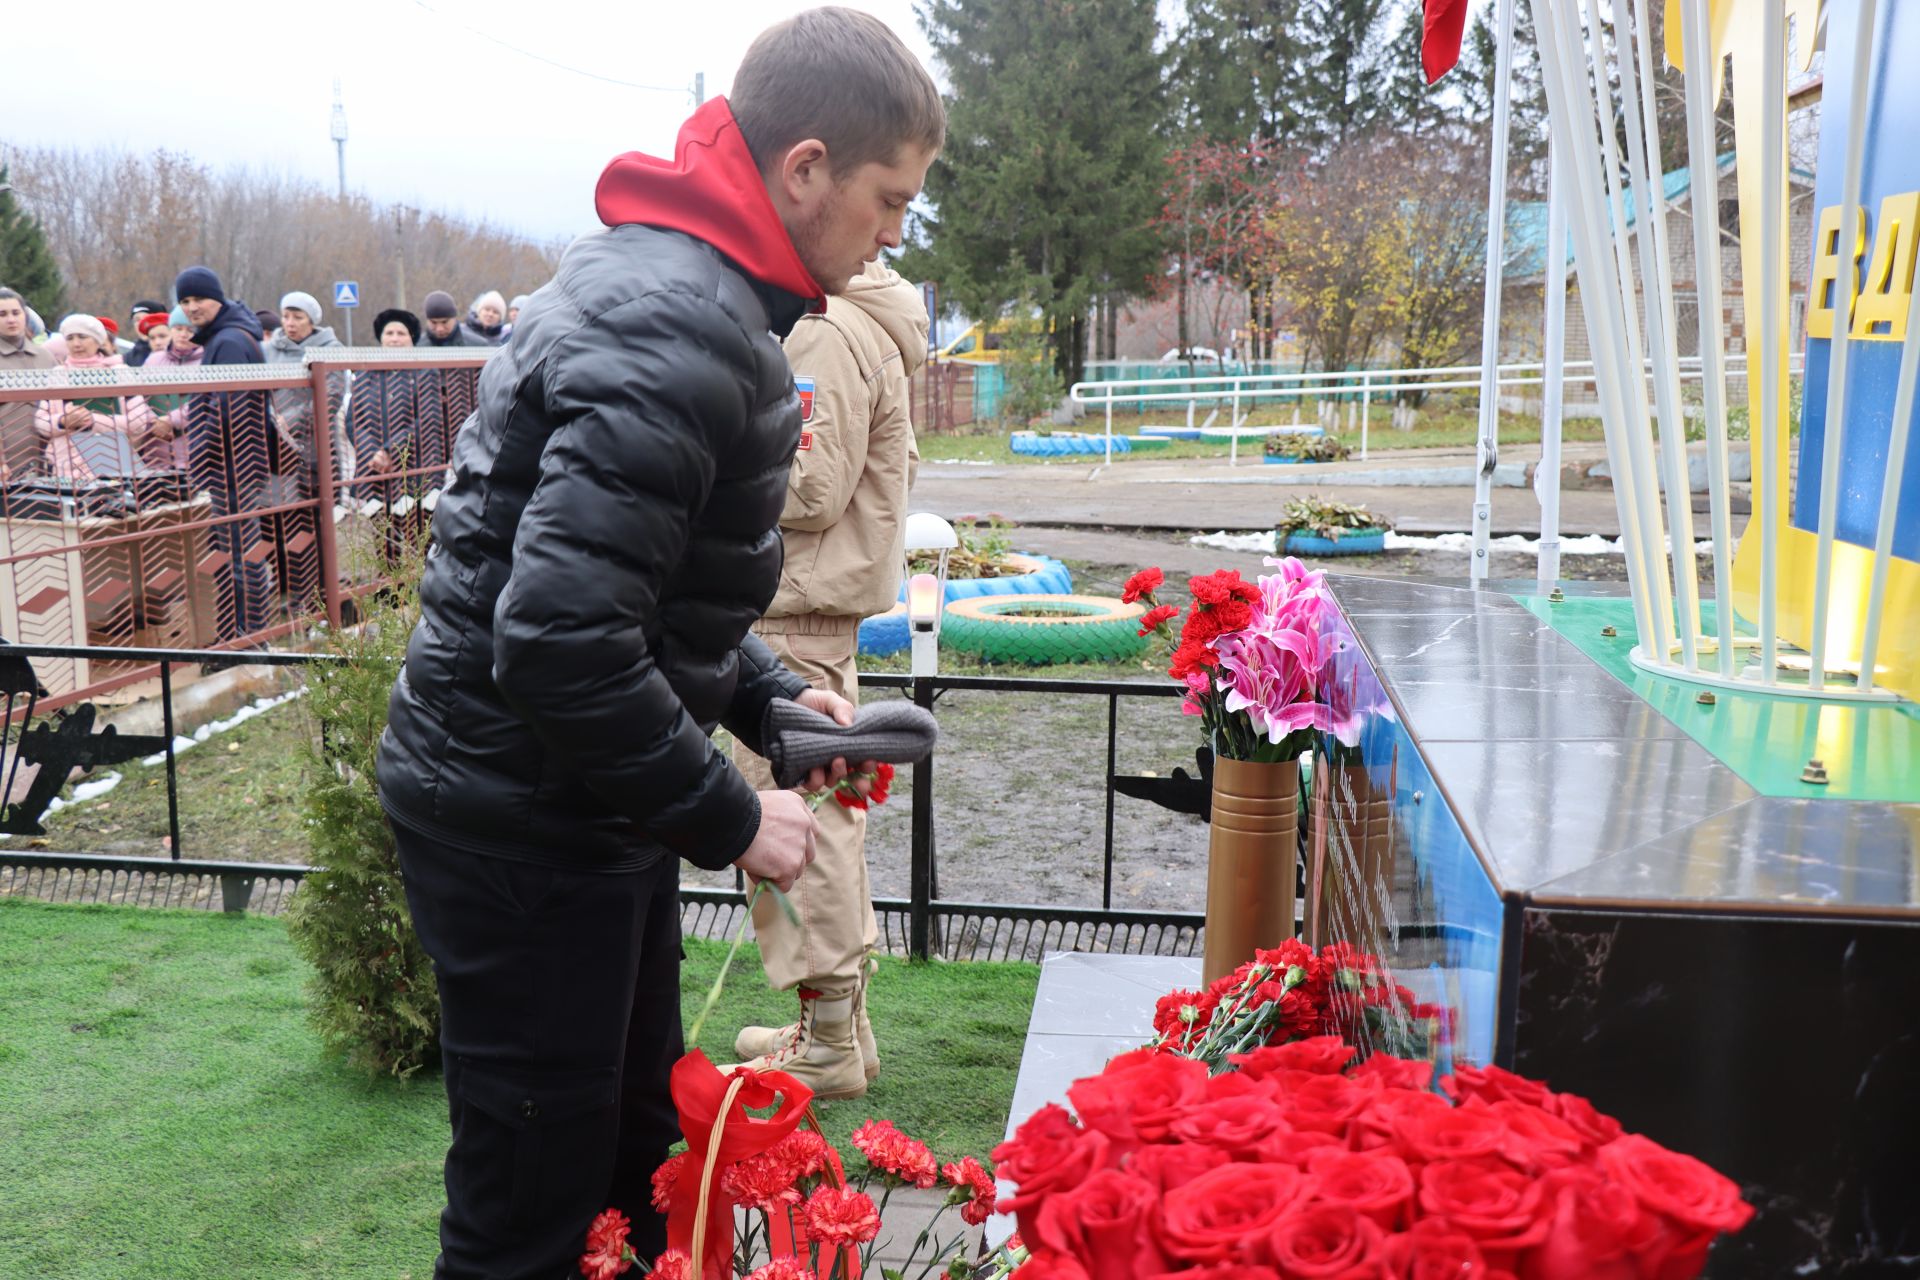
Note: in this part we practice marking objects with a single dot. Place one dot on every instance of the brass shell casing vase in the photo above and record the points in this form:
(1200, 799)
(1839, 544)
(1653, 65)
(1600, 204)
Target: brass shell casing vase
(1252, 851)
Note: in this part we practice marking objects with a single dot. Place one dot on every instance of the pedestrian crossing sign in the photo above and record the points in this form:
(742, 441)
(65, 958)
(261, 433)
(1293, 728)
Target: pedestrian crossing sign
(346, 293)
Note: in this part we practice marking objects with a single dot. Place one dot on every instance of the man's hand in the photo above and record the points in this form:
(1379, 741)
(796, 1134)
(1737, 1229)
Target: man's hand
(380, 462)
(828, 703)
(784, 845)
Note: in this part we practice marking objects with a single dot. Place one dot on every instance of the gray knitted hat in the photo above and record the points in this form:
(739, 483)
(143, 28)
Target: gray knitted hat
(799, 739)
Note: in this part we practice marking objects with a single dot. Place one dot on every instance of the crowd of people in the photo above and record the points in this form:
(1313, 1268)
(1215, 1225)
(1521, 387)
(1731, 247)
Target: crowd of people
(244, 451)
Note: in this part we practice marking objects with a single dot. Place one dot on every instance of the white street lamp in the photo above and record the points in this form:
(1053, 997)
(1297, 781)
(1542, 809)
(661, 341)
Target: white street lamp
(927, 592)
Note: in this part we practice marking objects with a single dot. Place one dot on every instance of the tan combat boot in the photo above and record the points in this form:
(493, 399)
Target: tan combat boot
(758, 1042)
(822, 1052)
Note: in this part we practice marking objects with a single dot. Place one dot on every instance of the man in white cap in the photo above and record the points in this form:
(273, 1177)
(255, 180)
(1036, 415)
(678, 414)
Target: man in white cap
(292, 460)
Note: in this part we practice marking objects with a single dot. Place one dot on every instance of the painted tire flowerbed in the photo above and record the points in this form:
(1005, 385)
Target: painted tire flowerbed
(1043, 630)
(1033, 575)
(885, 633)
(1357, 542)
(1032, 445)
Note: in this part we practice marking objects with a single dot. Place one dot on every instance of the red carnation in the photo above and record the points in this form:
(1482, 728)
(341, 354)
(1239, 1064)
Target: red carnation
(781, 1269)
(838, 1216)
(1143, 583)
(763, 1182)
(895, 1154)
(804, 1152)
(672, 1265)
(973, 1190)
(665, 1179)
(1155, 617)
(1191, 658)
(606, 1254)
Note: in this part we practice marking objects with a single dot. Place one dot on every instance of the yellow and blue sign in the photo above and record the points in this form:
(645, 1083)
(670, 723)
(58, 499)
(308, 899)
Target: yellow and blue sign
(1865, 274)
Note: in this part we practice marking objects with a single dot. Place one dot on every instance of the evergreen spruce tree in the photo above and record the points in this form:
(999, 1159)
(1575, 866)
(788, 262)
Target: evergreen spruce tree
(26, 259)
(1344, 57)
(1049, 184)
(373, 995)
(1235, 69)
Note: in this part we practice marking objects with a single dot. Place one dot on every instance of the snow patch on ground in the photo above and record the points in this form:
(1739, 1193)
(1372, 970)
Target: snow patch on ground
(260, 706)
(1592, 544)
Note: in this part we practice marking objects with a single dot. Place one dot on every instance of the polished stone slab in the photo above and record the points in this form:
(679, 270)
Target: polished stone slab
(1542, 810)
(1087, 1009)
(1811, 855)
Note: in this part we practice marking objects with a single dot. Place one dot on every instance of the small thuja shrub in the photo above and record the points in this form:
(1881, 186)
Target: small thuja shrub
(372, 995)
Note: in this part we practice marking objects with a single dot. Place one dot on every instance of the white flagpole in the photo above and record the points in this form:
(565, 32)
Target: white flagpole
(1772, 505)
(1845, 289)
(1488, 450)
(1546, 480)
(1705, 166)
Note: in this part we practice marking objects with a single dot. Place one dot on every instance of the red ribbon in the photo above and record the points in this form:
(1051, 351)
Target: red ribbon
(699, 1093)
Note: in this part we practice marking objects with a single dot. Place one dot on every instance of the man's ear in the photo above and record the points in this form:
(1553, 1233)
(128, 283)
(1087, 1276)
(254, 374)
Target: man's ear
(804, 171)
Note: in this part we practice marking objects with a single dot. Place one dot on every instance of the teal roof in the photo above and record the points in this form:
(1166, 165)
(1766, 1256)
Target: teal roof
(1527, 220)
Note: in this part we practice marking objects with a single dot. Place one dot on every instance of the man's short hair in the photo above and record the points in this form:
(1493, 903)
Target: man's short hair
(840, 76)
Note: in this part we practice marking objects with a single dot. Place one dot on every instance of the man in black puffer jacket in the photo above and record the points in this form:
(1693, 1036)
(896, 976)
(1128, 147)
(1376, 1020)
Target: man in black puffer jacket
(608, 538)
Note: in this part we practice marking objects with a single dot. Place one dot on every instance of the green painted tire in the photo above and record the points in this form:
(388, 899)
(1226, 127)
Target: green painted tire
(1018, 629)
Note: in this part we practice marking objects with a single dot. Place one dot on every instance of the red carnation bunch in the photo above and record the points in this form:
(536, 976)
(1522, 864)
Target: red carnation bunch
(1289, 994)
(1291, 1163)
(807, 1219)
(849, 796)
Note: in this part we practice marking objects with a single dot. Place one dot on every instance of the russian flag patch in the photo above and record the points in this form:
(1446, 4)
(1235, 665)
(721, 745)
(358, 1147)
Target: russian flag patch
(805, 387)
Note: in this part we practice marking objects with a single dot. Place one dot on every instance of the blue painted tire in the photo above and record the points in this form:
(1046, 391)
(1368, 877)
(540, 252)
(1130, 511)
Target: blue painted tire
(1031, 445)
(885, 633)
(1359, 542)
(1040, 575)
(1142, 444)
(1096, 629)
(1171, 433)
(1282, 460)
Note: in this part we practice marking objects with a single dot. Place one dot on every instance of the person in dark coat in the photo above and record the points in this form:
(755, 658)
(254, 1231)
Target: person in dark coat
(231, 449)
(607, 539)
(397, 424)
(443, 324)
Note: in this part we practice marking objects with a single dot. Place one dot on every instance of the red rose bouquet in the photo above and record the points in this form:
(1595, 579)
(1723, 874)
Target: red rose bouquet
(1294, 1163)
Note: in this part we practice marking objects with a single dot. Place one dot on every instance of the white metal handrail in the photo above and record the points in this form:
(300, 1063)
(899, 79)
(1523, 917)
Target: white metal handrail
(1216, 389)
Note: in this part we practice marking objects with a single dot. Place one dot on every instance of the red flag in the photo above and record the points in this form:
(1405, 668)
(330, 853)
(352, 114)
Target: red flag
(1443, 23)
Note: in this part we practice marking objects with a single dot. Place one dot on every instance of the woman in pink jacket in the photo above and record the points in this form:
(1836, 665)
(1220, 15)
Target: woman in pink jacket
(58, 421)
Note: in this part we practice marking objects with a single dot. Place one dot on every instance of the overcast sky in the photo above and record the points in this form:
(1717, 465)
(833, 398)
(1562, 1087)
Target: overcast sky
(440, 114)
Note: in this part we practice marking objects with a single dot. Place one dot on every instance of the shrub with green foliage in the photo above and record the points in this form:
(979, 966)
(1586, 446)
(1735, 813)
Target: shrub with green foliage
(373, 993)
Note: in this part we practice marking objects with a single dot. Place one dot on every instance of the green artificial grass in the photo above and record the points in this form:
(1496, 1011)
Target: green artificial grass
(165, 1110)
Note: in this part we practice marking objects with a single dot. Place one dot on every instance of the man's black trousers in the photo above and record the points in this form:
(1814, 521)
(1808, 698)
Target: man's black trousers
(559, 1024)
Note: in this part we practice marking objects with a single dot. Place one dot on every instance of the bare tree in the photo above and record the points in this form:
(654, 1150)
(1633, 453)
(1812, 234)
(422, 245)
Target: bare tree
(123, 225)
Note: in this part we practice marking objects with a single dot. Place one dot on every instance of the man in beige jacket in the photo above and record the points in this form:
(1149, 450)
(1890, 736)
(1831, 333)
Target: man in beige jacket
(844, 528)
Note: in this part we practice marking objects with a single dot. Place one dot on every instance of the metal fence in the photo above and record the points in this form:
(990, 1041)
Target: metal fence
(44, 739)
(199, 509)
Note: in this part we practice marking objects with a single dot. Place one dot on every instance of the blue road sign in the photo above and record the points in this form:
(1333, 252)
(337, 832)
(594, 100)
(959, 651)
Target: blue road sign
(346, 293)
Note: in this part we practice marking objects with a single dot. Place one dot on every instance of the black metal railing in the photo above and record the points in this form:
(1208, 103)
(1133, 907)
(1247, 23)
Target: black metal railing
(921, 925)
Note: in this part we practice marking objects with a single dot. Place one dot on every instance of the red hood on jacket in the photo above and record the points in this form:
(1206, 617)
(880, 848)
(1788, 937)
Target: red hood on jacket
(712, 190)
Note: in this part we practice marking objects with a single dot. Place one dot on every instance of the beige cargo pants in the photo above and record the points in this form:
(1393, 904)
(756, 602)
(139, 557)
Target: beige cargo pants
(833, 898)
